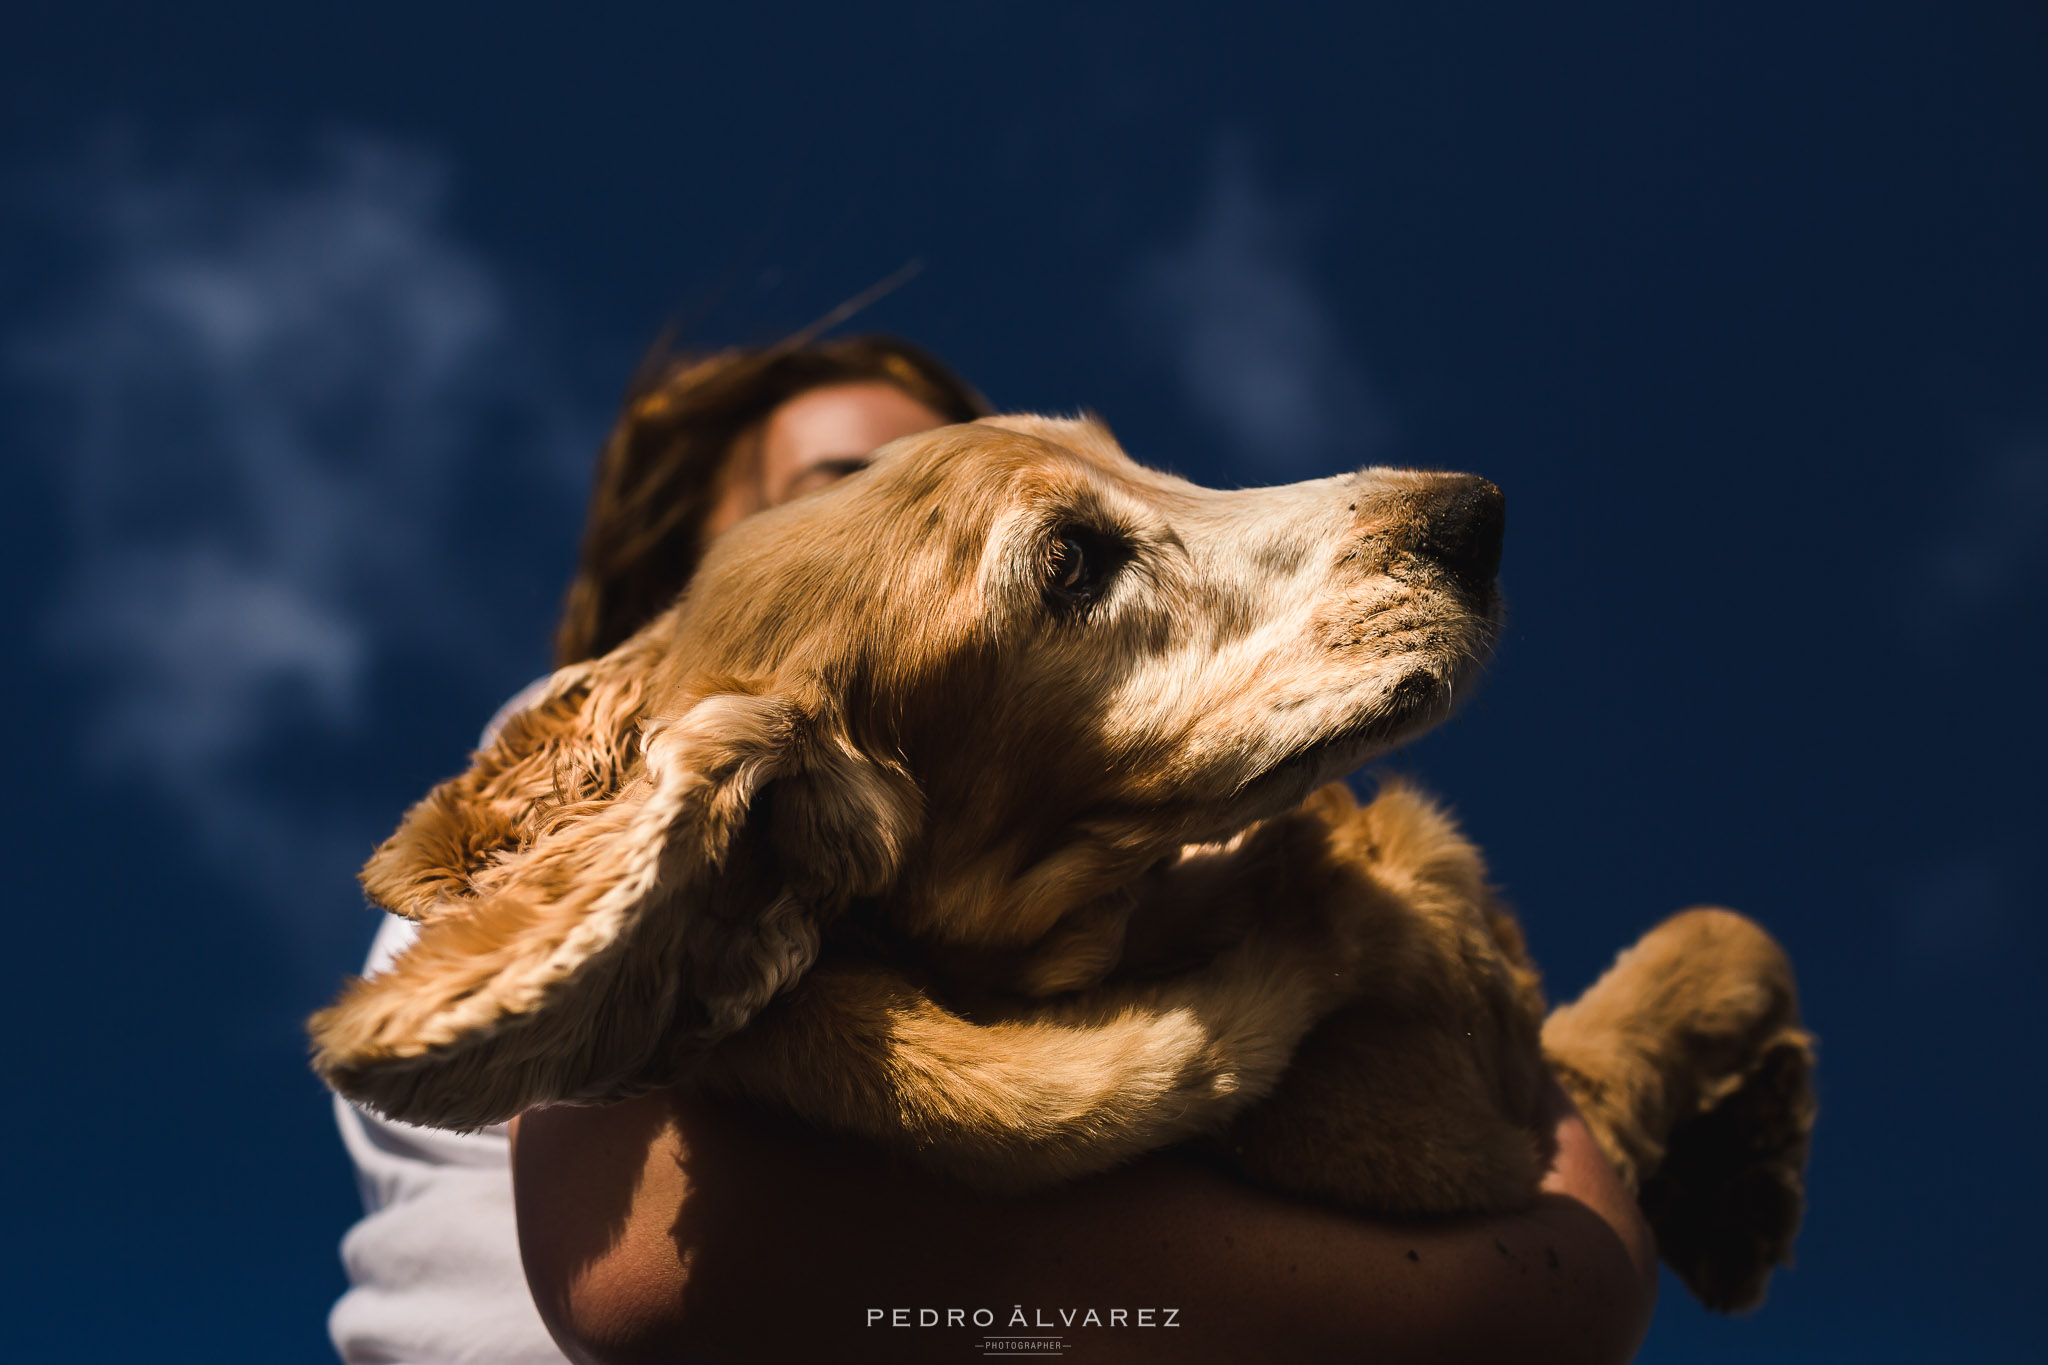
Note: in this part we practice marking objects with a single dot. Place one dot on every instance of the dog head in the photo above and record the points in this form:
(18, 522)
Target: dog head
(979, 687)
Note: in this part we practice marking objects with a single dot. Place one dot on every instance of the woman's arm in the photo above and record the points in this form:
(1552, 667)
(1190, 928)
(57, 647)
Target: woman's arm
(683, 1227)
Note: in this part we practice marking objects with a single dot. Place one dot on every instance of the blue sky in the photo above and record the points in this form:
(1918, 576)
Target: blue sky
(309, 326)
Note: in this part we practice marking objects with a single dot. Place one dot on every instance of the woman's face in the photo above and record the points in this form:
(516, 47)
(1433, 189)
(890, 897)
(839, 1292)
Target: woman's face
(810, 442)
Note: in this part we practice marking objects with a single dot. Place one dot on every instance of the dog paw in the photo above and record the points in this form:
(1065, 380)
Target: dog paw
(1726, 1201)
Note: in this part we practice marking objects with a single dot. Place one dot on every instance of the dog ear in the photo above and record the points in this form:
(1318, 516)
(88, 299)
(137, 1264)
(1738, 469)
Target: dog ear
(599, 894)
(575, 743)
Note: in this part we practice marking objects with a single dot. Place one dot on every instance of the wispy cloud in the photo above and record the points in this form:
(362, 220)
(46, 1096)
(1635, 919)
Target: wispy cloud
(1236, 307)
(274, 388)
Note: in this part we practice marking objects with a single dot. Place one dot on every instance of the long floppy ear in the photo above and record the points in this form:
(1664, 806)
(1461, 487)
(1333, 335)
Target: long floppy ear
(595, 896)
(575, 743)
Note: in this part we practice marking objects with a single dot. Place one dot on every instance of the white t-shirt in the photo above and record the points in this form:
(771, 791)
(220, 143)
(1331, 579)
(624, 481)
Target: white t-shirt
(433, 1267)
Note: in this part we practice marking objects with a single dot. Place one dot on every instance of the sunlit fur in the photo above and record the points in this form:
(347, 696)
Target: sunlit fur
(872, 825)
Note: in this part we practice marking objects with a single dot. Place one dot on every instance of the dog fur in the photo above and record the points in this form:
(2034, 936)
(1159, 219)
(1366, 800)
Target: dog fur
(982, 806)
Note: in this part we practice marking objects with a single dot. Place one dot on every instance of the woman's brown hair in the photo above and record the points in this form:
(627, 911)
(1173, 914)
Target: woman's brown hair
(659, 473)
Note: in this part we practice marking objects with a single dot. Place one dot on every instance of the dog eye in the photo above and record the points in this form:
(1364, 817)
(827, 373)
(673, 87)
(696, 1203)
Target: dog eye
(1077, 567)
(1069, 565)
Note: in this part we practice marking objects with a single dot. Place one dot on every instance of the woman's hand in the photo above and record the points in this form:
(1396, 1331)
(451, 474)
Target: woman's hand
(679, 1223)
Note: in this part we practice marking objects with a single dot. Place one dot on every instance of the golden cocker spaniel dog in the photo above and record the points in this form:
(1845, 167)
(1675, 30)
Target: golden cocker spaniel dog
(983, 806)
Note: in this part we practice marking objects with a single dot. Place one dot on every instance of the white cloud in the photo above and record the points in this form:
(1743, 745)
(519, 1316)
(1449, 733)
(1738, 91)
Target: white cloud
(1251, 336)
(198, 644)
(273, 388)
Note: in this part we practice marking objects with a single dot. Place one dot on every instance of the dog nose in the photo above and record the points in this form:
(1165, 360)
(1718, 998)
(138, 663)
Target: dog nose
(1463, 519)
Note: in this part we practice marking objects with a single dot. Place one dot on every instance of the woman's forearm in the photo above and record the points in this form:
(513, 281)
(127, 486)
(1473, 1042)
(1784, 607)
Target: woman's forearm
(675, 1222)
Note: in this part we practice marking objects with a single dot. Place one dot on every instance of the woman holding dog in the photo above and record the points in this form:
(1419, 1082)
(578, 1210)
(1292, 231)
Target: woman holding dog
(683, 1227)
